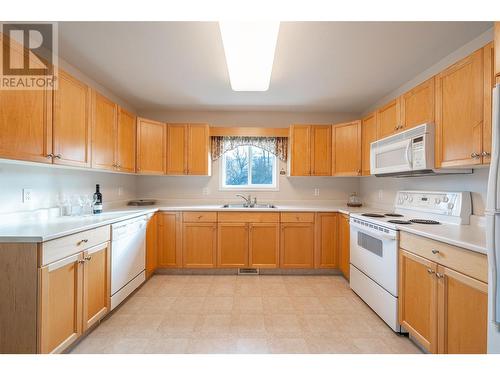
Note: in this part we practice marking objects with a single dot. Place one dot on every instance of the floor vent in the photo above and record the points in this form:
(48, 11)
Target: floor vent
(248, 271)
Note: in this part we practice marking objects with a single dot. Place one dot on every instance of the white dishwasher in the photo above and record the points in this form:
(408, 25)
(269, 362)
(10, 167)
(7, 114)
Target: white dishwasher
(128, 257)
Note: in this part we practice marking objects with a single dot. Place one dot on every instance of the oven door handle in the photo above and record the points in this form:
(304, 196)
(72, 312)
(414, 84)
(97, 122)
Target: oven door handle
(373, 232)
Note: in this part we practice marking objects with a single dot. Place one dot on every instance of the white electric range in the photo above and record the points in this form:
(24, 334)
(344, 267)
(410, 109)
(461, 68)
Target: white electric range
(375, 242)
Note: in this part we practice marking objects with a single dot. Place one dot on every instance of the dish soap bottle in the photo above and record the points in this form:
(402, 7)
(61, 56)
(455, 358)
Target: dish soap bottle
(97, 200)
(354, 200)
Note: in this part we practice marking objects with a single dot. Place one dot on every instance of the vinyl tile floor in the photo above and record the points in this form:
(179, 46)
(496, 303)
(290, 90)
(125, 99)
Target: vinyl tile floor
(244, 314)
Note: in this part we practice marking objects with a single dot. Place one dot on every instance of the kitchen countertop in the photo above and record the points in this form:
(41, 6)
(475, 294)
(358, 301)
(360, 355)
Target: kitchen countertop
(470, 237)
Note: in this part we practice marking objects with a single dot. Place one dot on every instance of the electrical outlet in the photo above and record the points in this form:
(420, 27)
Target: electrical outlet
(27, 195)
(316, 192)
(205, 191)
(120, 191)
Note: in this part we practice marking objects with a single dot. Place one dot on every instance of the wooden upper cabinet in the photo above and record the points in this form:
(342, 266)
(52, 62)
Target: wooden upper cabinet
(97, 285)
(489, 83)
(61, 297)
(150, 146)
(71, 122)
(344, 246)
(169, 240)
(346, 145)
(388, 119)
(418, 298)
(459, 112)
(177, 149)
(417, 106)
(321, 150)
(497, 48)
(326, 240)
(232, 245)
(125, 141)
(105, 114)
(462, 313)
(300, 150)
(368, 135)
(198, 140)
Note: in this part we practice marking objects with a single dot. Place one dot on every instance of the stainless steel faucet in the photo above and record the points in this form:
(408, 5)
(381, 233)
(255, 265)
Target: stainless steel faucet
(248, 200)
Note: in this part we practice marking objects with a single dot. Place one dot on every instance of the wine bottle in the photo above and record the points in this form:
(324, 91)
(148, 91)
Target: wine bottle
(97, 200)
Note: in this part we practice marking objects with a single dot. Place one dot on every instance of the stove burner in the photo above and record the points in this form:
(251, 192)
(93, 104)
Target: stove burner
(372, 215)
(424, 221)
(398, 221)
(392, 214)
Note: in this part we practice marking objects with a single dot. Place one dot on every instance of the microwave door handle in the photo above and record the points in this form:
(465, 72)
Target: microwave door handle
(408, 155)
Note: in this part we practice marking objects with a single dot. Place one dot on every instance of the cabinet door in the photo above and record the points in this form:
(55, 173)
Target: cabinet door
(61, 303)
(198, 145)
(321, 150)
(125, 141)
(152, 245)
(344, 246)
(232, 245)
(497, 48)
(297, 245)
(459, 112)
(31, 112)
(418, 298)
(199, 245)
(489, 83)
(463, 313)
(326, 240)
(96, 284)
(103, 132)
(176, 149)
(300, 150)
(346, 158)
(417, 106)
(71, 126)
(388, 119)
(264, 245)
(368, 135)
(169, 245)
(150, 146)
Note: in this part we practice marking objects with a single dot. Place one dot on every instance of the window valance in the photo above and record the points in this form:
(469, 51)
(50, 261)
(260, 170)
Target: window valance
(276, 145)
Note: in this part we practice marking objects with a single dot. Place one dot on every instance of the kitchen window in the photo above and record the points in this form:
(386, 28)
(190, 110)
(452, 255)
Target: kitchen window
(248, 167)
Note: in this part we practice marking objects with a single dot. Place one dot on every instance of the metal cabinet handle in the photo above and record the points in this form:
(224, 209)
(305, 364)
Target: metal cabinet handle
(434, 251)
(87, 258)
(81, 261)
(475, 155)
(49, 156)
(58, 156)
(485, 153)
(439, 275)
(429, 271)
(82, 241)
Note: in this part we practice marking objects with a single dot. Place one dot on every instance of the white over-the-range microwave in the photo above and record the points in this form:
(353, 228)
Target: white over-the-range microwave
(407, 154)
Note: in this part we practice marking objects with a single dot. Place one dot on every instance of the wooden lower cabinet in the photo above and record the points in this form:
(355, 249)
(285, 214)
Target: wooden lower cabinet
(297, 245)
(445, 310)
(199, 248)
(232, 245)
(61, 298)
(169, 240)
(264, 239)
(344, 245)
(462, 313)
(96, 284)
(418, 298)
(326, 240)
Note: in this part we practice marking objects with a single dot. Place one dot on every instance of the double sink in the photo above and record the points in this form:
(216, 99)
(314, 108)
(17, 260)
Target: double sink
(241, 205)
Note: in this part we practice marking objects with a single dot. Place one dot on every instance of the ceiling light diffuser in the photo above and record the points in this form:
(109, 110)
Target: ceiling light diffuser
(249, 48)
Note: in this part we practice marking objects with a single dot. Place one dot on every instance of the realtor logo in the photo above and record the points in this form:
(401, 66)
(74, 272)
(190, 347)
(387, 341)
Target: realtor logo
(29, 56)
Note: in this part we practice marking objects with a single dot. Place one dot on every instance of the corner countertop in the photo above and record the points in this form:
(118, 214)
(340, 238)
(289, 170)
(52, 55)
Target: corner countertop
(28, 228)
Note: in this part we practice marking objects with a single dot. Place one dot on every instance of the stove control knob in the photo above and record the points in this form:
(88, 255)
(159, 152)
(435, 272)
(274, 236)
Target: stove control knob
(410, 199)
(450, 205)
(437, 200)
(445, 199)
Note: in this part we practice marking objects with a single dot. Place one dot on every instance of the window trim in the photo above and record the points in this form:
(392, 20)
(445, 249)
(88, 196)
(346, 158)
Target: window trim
(223, 187)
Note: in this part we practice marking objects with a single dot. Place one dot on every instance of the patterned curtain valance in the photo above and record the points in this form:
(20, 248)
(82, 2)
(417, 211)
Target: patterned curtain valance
(275, 145)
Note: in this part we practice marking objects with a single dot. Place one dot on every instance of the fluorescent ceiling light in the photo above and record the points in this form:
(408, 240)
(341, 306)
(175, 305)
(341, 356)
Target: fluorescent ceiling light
(249, 48)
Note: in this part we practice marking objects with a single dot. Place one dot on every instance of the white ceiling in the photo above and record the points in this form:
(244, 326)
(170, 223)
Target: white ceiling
(318, 66)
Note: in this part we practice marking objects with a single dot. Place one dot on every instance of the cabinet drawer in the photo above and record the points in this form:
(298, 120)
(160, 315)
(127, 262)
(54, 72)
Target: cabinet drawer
(297, 217)
(65, 246)
(465, 261)
(248, 217)
(199, 217)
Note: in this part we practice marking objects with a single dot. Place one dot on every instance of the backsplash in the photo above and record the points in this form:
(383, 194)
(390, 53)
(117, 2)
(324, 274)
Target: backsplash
(381, 191)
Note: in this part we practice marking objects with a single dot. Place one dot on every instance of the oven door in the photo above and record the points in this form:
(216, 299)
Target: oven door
(391, 157)
(375, 253)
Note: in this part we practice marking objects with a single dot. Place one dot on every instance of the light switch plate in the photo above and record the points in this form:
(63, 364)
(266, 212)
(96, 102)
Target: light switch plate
(27, 195)
(316, 192)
